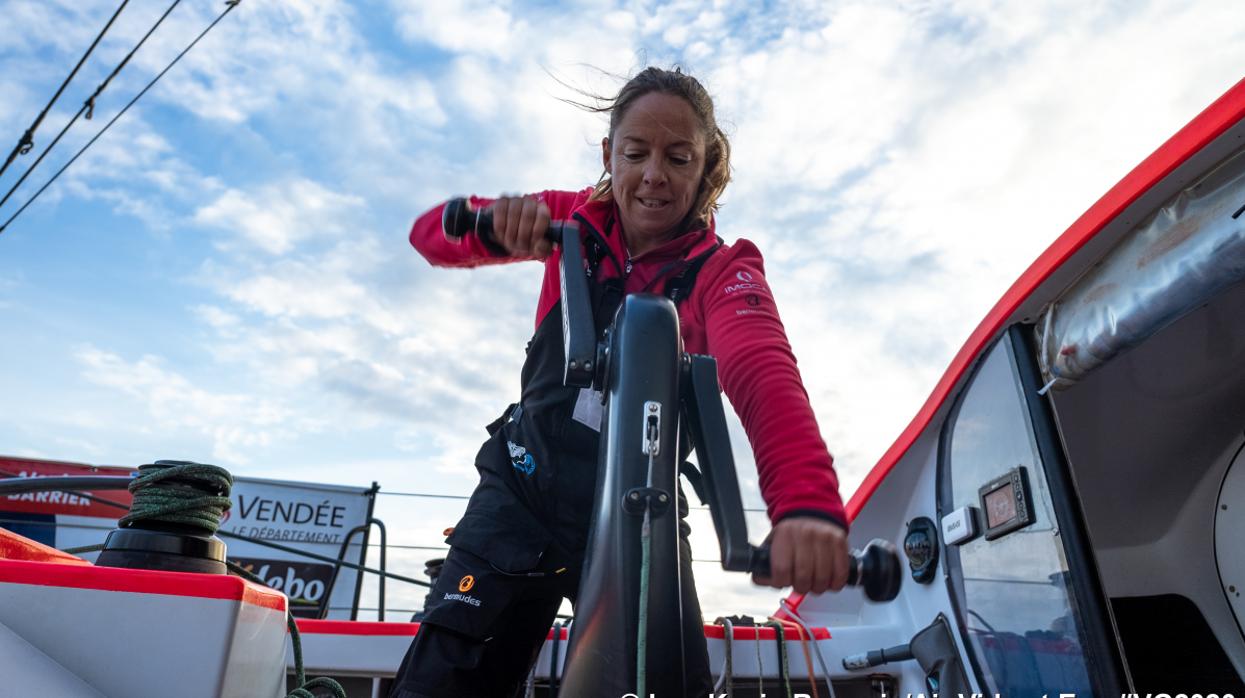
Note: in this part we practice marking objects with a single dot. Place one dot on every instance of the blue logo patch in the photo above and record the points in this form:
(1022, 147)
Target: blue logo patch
(521, 459)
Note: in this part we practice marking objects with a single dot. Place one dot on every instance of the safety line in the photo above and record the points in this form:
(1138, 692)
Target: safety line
(27, 141)
(88, 107)
(230, 5)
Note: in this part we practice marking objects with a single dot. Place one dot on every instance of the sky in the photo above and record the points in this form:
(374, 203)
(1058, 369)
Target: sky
(224, 276)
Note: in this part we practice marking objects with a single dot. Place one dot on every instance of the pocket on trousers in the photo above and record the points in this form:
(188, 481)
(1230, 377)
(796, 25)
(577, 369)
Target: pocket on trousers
(507, 536)
(469, 596)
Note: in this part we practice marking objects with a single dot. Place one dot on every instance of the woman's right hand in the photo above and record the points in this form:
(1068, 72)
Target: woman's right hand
(520, 225)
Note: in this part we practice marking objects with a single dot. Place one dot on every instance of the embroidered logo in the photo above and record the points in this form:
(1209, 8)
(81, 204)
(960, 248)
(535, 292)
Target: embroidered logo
(746, 282)
(465, 584)
(463, 598)
(521, 459)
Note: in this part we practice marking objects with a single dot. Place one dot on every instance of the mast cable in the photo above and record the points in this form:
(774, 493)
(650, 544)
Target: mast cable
(27, 141)
(230, 4)
(88, 107)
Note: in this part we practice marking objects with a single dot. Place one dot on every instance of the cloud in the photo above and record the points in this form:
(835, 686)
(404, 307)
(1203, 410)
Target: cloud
(224, 322)
(352, 316)
(461, 26)
(276, 64)
(423, 362)
(235, 422)
(280, 215)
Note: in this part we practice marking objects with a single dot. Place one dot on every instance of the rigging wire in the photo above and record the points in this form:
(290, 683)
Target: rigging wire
(230, 4)
(390, 493)
(84, 495)
(27, 141)
(727, 676)
(88, 107)
(399, 546)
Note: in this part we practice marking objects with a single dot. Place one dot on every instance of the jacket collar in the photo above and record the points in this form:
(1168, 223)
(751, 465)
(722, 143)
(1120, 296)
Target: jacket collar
(602, 216)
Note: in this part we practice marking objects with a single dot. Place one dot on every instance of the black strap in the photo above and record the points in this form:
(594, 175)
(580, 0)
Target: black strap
(680, 287)
(512, 414)
(594, 252)
(696, 479)
(595, 246)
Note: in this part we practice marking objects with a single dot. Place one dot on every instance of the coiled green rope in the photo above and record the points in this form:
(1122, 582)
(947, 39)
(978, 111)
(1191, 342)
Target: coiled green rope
(180, 492)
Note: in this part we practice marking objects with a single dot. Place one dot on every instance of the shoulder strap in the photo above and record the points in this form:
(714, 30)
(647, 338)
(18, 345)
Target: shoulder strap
(596, 248)
(594, 253)
(680, 287)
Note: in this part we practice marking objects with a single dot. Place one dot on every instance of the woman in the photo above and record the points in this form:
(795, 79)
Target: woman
(648, 225)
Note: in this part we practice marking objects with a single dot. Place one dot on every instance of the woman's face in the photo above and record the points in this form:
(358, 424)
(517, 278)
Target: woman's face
(656, 162)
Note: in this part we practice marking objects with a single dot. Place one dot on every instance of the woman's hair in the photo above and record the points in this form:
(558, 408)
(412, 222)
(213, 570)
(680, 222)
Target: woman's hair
(717, 147)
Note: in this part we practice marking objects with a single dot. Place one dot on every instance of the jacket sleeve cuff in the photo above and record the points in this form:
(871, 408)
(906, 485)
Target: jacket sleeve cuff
(815, 514)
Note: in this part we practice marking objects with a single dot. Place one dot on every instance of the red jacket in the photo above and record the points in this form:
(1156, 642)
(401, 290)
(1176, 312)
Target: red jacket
(730, 315)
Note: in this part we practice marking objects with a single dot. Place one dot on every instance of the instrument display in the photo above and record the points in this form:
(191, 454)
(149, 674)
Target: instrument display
(1006, 503)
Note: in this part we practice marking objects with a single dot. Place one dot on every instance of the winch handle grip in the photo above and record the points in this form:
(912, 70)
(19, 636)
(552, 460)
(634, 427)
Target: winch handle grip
(458, 219)
(876, 568)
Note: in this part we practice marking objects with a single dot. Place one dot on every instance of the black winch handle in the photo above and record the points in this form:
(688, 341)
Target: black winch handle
(579, 341)
(457, 219)
(876, 568)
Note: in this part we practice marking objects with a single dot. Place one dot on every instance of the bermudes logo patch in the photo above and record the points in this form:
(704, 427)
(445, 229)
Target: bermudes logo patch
(463, 598)
(465, 584)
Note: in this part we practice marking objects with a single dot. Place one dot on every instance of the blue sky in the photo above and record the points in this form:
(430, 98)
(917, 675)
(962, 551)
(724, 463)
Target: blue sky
(224, 277)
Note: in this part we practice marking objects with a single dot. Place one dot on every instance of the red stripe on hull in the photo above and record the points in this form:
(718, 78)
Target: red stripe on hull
(88, 576)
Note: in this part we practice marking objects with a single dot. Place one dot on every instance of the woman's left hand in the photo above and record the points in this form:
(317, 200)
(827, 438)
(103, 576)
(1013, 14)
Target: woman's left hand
(808, 554)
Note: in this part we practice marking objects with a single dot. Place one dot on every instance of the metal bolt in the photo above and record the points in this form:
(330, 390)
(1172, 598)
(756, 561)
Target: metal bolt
(652, 407)
(635, 496)
(574, 364)
(587, 365)
(663, 498)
